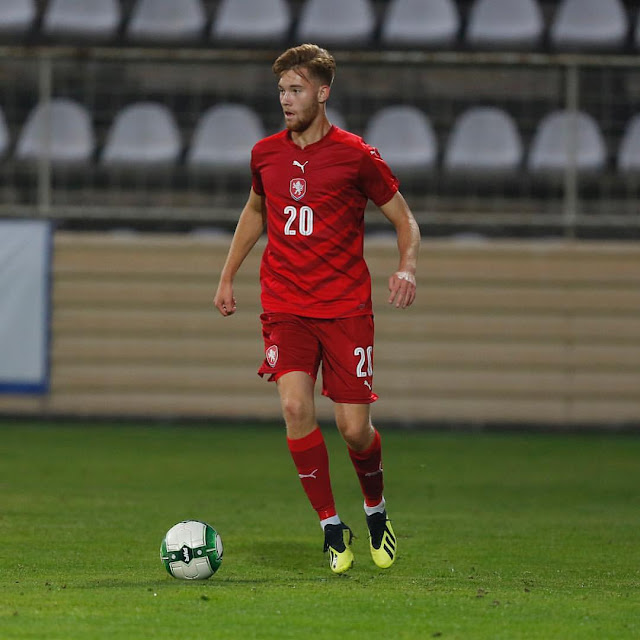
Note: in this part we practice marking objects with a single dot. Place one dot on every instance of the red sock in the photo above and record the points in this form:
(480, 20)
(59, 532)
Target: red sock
(312, 461)
(368, 466)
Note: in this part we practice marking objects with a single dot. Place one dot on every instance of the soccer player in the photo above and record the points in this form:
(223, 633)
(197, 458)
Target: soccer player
(310, 186)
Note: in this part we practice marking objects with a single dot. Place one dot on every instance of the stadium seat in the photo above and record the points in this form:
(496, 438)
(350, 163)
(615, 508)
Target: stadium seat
(589, 24)
(484, 142)
(404, 136)
(95, 19)
(60, 130)
(251, 21)
(550, 152)
(4, 135)
(16, 16)
(504, 24)
(336, 22)
(223, 139)
(420, 23)
(143, 135)
(628, 160)
(336, 118)
(167, 20)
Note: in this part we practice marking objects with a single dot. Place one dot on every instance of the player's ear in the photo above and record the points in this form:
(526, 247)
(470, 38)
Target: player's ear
(323, 93)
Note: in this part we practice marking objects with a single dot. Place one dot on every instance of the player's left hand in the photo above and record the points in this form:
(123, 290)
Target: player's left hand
(402, 288)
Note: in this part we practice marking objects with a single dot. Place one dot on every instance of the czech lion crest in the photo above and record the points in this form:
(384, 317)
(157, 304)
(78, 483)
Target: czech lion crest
(272, 355)
(298, 188)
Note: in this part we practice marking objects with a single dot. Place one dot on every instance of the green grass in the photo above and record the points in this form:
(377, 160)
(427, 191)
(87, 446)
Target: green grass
(501, 536)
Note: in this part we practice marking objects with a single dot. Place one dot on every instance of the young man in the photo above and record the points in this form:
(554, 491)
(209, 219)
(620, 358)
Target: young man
(310, 185)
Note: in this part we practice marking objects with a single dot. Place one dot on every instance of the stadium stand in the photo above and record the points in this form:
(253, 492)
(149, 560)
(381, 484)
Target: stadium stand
(143, 135)
(5, 139)
(550, 152)
(420, 23)
(506, 332)
(223, 139)
(60, 130)
(504, 24)
(404, 135)
(337, 118)
(251, 22)
(589, 24)
(85, 19)
(167, 21)
(484, 143)
(348, 23)
(16, 17)
(628, 160)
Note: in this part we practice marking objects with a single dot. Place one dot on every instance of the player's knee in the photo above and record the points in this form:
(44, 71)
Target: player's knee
(357, 435)
(297, 413)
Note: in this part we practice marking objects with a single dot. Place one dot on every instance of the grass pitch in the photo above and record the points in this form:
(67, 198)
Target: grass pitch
(501, 536)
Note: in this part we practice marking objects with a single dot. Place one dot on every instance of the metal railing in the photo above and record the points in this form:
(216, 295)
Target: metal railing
(442, 84)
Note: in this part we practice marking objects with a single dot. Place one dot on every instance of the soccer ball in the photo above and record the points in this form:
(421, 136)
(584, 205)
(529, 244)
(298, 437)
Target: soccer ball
(191, 550)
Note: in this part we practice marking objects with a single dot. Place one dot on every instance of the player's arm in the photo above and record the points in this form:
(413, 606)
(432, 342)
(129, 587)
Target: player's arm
(402, 284)
(248, 231)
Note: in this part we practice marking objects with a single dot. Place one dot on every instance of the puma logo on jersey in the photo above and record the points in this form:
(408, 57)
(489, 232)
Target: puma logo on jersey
(302, 166)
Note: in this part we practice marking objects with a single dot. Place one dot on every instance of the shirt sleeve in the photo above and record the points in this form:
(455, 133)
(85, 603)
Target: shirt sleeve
(377, 180)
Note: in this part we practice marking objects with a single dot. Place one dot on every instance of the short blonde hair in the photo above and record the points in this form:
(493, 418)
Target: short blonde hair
(317, 61)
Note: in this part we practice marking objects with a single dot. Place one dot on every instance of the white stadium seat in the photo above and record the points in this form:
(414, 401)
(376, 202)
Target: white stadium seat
(405, 139)
(504, 24)
(16, 16)
(337, 118)
(629, 150)
(251, 21)
(143, 134)
(484, 142)
(60, 130)
(551, 153)
(589, 24)
(223, 139)
(167, 20)
(95, 19)
(420, 23)
(336, 22)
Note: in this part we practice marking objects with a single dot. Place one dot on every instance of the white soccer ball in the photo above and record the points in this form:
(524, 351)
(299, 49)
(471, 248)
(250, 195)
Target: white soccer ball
(191, 550)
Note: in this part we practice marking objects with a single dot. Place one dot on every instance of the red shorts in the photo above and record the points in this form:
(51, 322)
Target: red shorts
(344, 346)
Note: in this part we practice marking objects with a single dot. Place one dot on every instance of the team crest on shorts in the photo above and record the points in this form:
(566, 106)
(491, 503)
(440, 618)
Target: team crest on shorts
(298, 188)
(272, 355)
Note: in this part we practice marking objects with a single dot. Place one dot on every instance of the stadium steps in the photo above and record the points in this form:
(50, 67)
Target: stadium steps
(502, 332)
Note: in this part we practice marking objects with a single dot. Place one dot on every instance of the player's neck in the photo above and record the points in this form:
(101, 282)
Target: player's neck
(317, 130)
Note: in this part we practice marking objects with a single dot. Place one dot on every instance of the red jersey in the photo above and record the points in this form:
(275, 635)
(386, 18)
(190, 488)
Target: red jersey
(313, 264)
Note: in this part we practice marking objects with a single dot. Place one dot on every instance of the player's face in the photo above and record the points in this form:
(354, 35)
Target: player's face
(300, 99)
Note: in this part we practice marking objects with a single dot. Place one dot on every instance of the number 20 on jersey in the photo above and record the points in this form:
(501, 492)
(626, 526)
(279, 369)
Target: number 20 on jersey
(300, 221)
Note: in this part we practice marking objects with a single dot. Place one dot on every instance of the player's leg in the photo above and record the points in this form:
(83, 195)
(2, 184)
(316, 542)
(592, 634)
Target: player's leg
(306, 443)
(365, 450)
(310, 456)
(348, 381)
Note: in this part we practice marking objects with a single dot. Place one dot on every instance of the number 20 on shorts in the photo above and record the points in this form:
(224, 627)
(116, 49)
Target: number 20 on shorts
(364, 367)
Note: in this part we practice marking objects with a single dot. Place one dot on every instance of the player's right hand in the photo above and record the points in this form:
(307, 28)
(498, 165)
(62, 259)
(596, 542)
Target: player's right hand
(224, 300)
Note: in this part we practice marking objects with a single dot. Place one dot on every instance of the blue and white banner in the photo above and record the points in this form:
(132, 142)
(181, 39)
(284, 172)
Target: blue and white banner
(25, 284)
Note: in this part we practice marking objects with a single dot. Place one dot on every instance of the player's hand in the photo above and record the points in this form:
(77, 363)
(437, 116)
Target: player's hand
(402, 288)
(224, 301)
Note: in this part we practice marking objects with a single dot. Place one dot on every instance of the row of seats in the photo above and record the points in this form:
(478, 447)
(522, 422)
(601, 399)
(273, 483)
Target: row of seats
(484, 141)
(505, 24)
